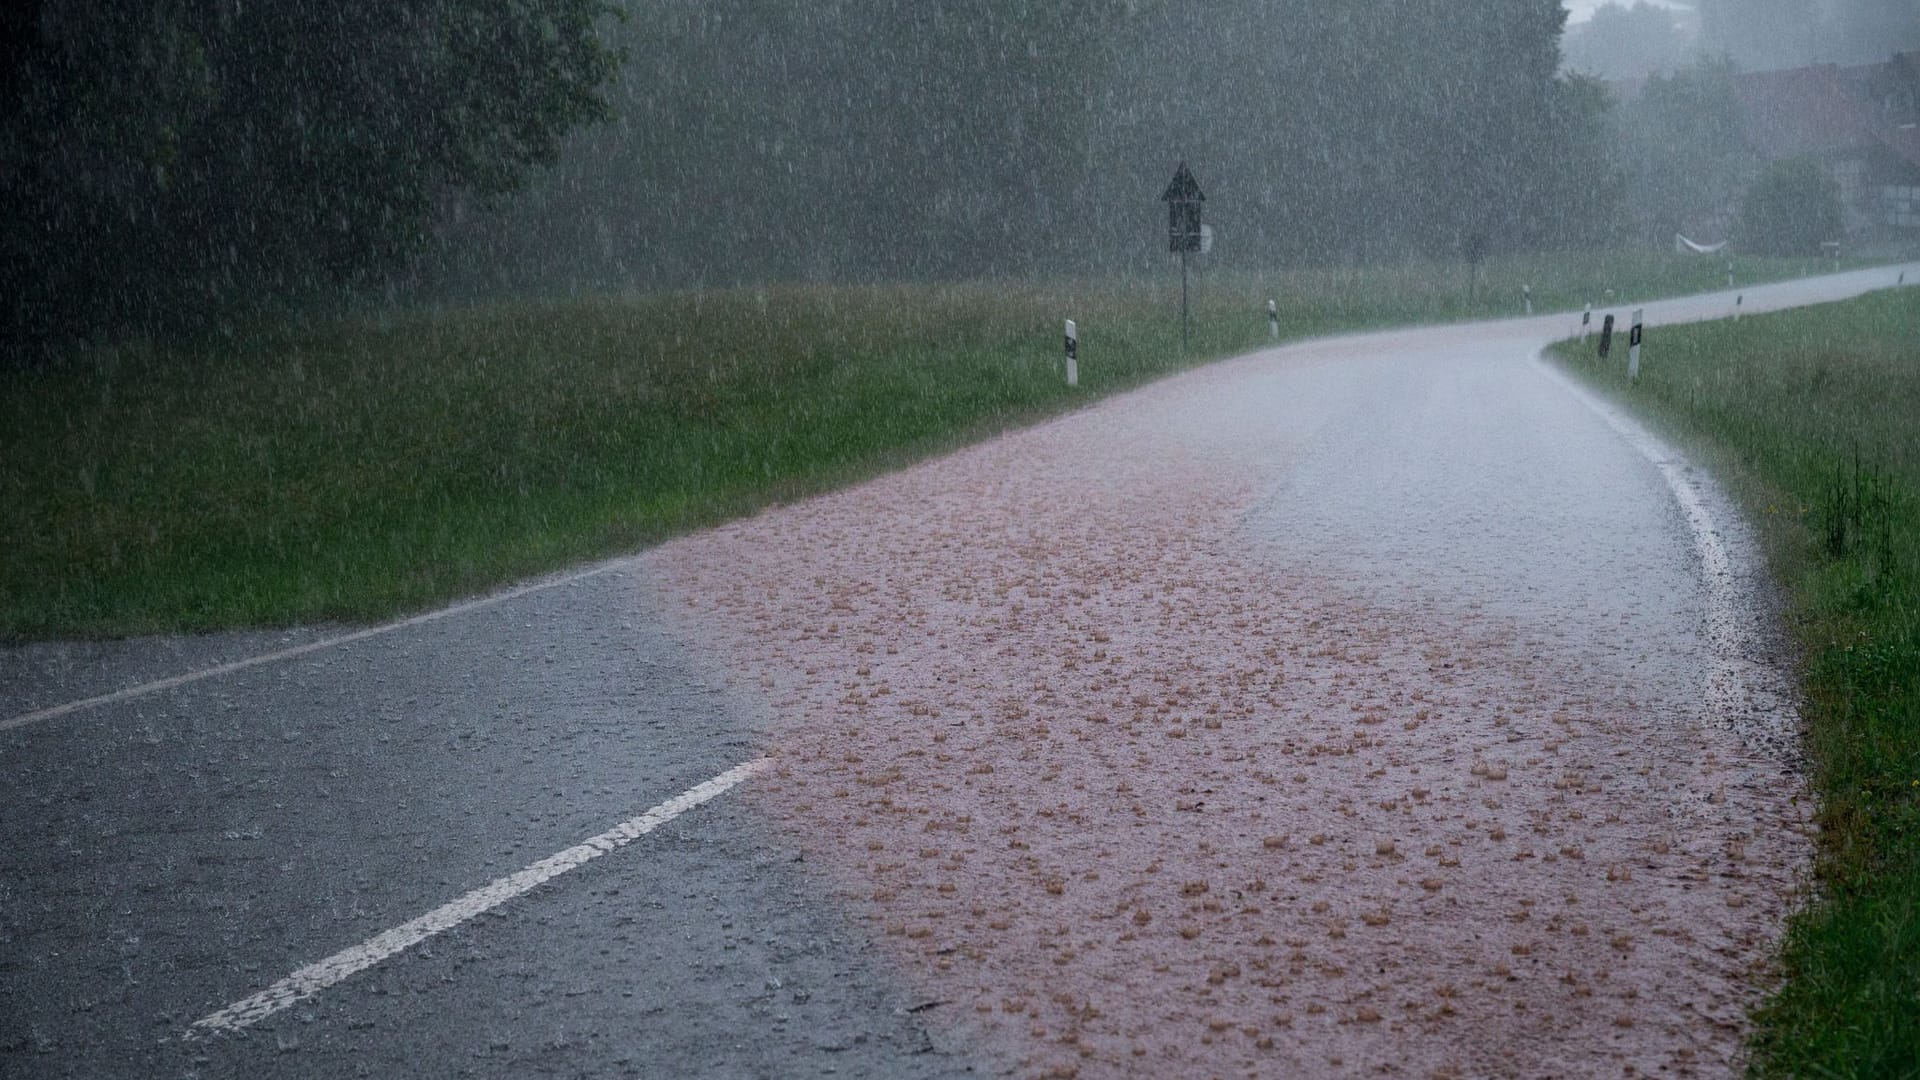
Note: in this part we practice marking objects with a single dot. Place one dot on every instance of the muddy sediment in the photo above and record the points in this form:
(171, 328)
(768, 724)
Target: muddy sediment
(1128, 795)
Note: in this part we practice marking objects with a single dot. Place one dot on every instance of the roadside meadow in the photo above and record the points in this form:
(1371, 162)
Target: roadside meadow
(1810, 416)
(361, 466)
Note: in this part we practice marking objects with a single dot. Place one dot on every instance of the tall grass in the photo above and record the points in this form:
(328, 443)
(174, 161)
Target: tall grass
(1816, 415)
(359, 467)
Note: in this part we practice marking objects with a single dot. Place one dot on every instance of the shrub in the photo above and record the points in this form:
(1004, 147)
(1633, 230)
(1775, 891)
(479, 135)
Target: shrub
(1790, 210)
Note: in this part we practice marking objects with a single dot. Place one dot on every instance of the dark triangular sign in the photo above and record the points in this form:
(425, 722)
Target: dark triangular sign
(1184, 187)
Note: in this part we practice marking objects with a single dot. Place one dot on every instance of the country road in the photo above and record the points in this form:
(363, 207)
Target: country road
(1378, 704)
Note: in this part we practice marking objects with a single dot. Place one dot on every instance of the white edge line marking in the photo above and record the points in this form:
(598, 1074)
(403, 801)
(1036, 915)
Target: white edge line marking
(1736, 683)
(316, 977)
(169, 683)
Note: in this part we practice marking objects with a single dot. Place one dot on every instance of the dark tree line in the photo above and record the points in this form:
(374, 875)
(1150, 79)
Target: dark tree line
(837, 139)
(1366, 130)
(168, 161)
(842, 139)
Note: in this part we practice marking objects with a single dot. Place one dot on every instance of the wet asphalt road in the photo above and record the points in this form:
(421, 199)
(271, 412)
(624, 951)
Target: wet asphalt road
(1468, 481)
(172, 853)
(169, 855)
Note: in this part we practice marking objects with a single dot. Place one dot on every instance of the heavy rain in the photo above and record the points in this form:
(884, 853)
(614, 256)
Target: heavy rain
(1101, 538)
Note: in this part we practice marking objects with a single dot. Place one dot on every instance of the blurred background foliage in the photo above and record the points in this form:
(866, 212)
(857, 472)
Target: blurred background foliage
(176, 164)
(171, 162)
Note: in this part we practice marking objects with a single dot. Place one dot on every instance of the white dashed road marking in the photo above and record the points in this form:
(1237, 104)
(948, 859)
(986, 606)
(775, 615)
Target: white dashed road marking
(316, 977)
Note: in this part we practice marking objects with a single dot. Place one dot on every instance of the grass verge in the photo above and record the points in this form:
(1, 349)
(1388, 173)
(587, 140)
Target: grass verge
(356, 468)
(1816, 414)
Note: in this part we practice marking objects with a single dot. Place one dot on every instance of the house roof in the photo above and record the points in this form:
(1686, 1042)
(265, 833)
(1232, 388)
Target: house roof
(1809, 110)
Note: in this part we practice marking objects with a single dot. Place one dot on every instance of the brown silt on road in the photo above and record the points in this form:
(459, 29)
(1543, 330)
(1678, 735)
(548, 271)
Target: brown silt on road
(1365, 706)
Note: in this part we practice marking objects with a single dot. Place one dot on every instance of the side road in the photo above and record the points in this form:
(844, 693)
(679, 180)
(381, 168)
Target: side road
(168, 855)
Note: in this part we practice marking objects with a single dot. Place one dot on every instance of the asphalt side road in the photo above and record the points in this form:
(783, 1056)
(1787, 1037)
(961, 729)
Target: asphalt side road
(171, 854)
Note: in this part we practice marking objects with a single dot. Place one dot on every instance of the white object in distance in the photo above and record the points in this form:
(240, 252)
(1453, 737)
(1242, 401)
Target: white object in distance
(1682, 245)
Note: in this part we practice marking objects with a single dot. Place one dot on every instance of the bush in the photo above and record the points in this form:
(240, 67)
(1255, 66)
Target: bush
(1791, 210)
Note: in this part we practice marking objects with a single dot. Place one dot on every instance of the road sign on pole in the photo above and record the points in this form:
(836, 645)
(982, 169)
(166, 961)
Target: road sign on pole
(1183, 199)
(1184, 232)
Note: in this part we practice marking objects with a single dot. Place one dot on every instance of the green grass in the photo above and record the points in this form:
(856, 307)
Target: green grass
(1815, 416)
(356, 468)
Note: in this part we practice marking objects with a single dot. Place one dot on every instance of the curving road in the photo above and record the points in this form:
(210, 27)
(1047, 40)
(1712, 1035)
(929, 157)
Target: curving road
(1375, 704)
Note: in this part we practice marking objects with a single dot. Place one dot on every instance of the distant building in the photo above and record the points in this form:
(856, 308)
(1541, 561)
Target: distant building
(1862, 123)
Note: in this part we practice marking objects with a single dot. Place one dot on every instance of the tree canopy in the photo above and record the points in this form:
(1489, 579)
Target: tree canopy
(1792, 209)
(176, 155)
(167, 159)
(1688, 153)
(869, 138)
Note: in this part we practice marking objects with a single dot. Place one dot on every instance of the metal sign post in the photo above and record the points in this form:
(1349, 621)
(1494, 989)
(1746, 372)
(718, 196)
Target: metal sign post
(1184, 231)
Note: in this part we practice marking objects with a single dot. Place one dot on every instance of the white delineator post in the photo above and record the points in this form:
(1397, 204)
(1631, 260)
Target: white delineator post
(1633, 348)
(1526, 292)
(1586, 320)
(1273, 320)
(1073, 354)
(1737, 301)
(1729, 273)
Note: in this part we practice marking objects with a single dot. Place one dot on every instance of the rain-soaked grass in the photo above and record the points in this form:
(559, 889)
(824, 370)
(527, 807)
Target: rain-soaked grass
(361, 467)
(1815, 416)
